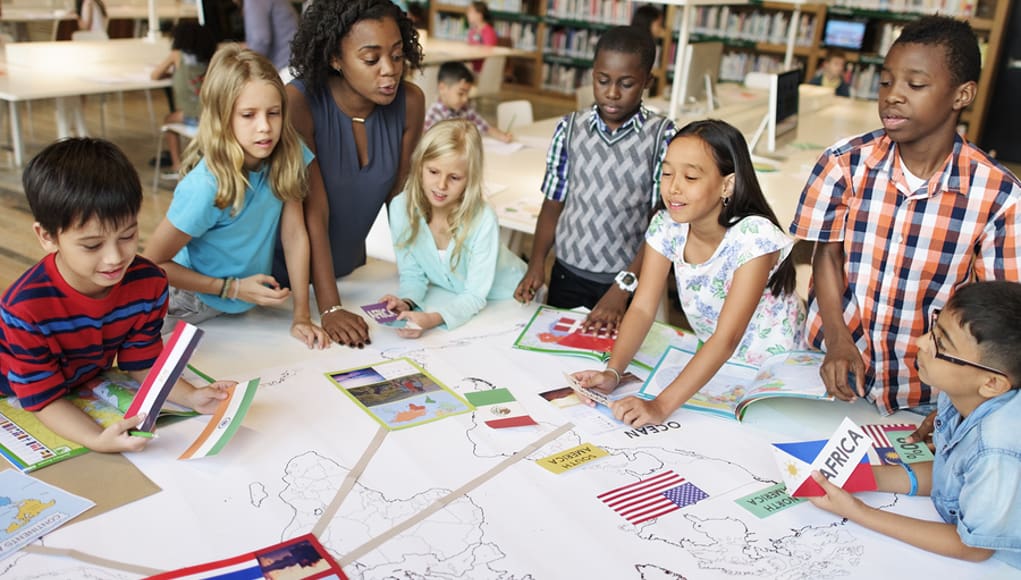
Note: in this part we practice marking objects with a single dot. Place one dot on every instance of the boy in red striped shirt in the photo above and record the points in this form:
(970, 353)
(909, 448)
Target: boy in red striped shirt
(91, 301)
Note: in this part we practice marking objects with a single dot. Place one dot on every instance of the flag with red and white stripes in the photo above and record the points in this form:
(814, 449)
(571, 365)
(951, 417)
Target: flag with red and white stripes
(643, 500)
(878, 433)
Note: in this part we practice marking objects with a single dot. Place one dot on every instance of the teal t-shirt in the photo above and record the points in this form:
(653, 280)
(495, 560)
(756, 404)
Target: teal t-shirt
(224, 244)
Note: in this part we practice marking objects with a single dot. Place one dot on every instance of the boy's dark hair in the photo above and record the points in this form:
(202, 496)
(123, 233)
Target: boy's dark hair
(629, 40)
(193, 38)
(483, 9)
(327, 22)
(991, 312)
(645, 16)
(452, 73)
(964, 61)
(730, 152)
(73, 180)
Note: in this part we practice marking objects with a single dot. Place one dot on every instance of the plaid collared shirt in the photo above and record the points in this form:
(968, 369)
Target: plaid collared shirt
(906, 251)
(555, 182)
(440, 112)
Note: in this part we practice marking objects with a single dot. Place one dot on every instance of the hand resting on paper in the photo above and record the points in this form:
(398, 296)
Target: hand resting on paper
(205, 400)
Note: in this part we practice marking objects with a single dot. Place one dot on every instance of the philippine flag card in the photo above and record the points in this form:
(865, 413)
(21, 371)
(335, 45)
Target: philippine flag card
(843, 459)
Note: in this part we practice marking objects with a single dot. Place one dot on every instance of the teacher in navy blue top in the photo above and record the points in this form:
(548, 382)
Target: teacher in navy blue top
(352, 106)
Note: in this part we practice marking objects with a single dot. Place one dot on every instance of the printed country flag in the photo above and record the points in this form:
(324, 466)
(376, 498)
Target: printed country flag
(302, 557)
(568, 325)
(164, 373)
(644, 500)
(795, 461)
(498, 409)
(685, 494)
(878, 433)
(224, 422)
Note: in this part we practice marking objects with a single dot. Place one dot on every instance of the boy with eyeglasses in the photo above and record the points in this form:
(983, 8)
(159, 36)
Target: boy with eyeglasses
(970, 355)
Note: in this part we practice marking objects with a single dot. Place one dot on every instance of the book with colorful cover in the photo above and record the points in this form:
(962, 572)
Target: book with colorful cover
(29, 445)
(399, 394)
(559, 331)
(793, 374)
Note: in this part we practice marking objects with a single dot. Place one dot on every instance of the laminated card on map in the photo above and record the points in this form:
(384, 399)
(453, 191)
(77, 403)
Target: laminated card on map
(843, 459)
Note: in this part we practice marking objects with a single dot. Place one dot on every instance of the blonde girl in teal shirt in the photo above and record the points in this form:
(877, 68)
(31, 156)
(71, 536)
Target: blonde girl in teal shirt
(446, 235)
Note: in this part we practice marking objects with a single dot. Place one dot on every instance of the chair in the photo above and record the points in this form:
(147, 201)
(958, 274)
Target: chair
(187, 131)
(510, 114)
(490, 78)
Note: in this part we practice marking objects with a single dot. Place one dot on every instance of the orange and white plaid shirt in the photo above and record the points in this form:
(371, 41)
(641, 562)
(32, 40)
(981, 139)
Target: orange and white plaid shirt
(906, 252)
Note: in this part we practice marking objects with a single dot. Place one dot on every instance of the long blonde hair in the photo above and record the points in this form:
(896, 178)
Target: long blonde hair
(454, 137)
(231, 68)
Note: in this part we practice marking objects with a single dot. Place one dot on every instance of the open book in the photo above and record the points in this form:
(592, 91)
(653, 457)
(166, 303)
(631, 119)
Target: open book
(736, 385)
(559, 331)
(29, 445)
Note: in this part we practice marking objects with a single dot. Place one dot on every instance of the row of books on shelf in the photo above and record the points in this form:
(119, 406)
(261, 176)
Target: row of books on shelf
(562, 78)
(948, 7)
(603, 11)
(573, 42)
(754, 25)
(734, 66)
(499, 5)
(454, 27)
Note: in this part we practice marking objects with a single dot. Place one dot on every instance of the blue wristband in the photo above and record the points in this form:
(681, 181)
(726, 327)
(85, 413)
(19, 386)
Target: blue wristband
(914, 479)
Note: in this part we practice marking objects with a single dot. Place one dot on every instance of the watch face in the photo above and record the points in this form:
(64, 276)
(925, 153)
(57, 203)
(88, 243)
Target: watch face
(628, 278)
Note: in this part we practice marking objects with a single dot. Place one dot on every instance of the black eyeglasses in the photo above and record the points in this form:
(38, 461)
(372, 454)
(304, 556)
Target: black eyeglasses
(953, 359)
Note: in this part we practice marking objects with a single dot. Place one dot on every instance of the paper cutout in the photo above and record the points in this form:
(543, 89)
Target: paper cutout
(498, 409)
(588, 393)
(843, 459)
(399, 394)
(643, 500)
(380, 313)
(30, 509)
(164, 373)
(569, 459)
(909, 452)
(769, 501)
(302, 557)
(885, 448)
(224, 422)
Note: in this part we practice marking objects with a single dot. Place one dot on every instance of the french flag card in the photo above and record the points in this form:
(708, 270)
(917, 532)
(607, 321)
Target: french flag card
(843, 459)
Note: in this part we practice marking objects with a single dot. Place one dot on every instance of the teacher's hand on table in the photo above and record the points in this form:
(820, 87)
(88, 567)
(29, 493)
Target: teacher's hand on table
(842, 362)
(346, 328)
(637, 412)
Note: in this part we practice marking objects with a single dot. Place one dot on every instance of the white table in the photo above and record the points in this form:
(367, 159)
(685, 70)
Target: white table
(302, 436)
(46, 70)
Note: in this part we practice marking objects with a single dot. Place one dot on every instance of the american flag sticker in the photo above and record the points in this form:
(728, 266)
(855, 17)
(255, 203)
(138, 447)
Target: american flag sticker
(644, 500)
(878, 433)
(685, 494)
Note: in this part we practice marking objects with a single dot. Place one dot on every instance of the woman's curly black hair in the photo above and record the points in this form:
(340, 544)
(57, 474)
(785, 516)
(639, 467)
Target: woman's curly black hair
(326, 22)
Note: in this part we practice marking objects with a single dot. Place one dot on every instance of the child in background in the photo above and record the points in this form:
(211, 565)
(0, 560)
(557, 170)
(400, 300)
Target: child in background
(91, 301)
(650, 18)
(902, 216)
(832, 75)
(189, 58)
(480, 28)
(446, 235)
(245, 178)
(601, 184)
(731, 259)
(970, 355)
(455, 82)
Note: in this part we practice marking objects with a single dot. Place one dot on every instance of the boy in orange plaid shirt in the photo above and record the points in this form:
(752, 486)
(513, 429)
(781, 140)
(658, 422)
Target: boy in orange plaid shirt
(901, 217)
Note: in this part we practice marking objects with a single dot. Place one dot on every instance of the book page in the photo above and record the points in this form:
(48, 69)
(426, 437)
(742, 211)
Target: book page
(791, 374)
(719, 396)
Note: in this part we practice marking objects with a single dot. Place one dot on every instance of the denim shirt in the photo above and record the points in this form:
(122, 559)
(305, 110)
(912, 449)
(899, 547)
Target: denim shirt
(976, 474)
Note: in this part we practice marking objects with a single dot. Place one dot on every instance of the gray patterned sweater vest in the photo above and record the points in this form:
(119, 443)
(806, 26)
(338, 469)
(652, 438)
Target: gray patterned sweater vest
(611, 193)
